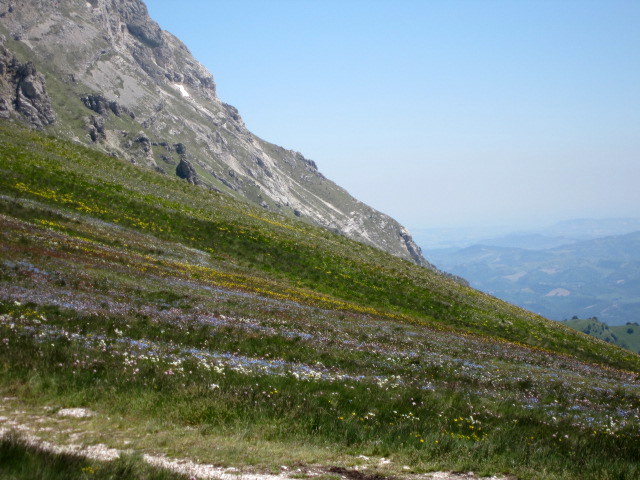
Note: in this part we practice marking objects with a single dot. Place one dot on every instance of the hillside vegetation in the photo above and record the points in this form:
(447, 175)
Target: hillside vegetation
(198, 326)
(625, 336)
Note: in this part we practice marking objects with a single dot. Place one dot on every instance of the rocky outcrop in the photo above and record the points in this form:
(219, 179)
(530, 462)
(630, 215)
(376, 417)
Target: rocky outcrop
(96, 129)
(185, 170)
(147, 148)
(180, 149)
(162, 56)
(412, 247)
(102, 106)
(23, 91)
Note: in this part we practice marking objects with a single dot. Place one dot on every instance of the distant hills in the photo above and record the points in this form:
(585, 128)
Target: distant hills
(597, 277)
(586, 228)
(560, 233)
(529, 241)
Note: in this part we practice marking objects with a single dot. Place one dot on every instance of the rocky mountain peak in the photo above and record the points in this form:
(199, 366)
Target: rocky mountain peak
(161, 55)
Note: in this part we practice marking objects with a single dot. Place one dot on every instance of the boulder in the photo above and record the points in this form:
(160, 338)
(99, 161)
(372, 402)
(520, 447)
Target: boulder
(185, 170)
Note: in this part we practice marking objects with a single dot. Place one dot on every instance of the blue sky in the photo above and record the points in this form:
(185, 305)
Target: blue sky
(439, 113)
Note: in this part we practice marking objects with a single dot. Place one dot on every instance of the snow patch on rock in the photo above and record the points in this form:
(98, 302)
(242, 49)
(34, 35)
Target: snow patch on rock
(181, 89)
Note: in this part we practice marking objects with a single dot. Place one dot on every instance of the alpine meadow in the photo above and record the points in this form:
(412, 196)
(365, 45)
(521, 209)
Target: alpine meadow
(182, 299)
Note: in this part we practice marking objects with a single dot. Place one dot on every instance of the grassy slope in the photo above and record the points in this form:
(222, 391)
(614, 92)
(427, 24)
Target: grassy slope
(628, 335)
(270, 246)
(625, 336)
(164, 306)
(595, 328)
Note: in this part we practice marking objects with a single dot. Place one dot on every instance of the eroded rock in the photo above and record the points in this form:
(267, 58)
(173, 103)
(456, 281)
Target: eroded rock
(186, 170)
(99, 104)
(23, 91)
(96, 129)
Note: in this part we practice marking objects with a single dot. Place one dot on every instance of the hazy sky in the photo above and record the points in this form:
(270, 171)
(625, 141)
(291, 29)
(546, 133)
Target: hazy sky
(439, 113)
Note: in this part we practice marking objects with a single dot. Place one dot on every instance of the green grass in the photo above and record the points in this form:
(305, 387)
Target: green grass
(625, 336)
(76, 178)
(198, 326)
(20, 461)
(628, 335)
(595, 328)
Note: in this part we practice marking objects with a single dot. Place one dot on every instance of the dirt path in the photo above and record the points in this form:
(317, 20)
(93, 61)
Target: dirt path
(39, 430)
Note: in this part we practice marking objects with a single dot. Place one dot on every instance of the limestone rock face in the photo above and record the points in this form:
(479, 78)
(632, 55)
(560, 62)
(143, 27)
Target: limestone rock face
(99, 104)
(23, 91)
(96, 129)
(136, 91)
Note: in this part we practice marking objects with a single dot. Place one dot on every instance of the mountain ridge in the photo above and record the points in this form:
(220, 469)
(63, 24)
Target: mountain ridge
(120, 83)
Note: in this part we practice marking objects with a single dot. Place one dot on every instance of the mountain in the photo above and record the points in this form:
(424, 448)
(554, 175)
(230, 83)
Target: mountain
(598, 277)
(440, 238)
(103, 73)
(145, 318)
(626, 336)
(566, 232)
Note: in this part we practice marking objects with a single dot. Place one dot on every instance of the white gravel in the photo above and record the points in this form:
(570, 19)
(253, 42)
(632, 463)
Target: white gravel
(76, 412)
(203, 470)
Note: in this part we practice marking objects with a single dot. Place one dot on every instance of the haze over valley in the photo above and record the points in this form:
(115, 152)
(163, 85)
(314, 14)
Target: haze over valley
(585, 268)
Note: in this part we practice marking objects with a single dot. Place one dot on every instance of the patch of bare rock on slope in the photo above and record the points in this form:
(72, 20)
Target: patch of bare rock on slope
(23, 93)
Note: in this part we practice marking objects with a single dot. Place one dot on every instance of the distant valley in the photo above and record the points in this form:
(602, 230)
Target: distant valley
(584, 268)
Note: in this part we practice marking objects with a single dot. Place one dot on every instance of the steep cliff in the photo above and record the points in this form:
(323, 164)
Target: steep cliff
(118, 81)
